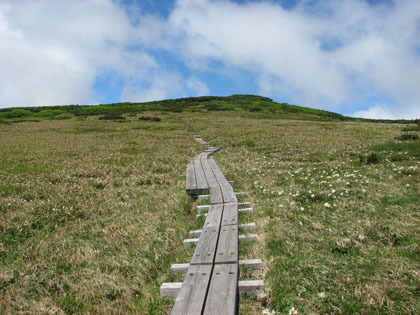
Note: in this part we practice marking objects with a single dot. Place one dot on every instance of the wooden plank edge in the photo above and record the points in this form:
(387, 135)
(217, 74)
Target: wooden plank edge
(242, 238)
(248, 286)
(246, 210)
(203, 197)
(248, 227)
(251, 264)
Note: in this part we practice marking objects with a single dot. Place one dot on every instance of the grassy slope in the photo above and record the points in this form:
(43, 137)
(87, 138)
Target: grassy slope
(338, 235)
(237, 103)
(93, 212)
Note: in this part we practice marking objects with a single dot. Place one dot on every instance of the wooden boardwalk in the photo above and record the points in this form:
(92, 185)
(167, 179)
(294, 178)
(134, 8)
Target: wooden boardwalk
(211, 284)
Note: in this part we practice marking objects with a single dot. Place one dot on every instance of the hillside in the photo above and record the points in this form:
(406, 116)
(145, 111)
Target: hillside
(264, 106)
(93, 212)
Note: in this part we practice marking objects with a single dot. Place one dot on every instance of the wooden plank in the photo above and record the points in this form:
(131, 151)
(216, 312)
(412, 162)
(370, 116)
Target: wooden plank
(222, 296)
(249, 264)
(179, 268)
(190, 242)
(206, 246)
(216, 196)
(203, 197)
(214, 216)
(230, 214)
(199, 175)
(246, 210)
(190, 182)
(227, 246)
(248, 238)
(170, 289)
(215, 189)
(201, 209)
(197, 235)
(249, 286)
(248, 226)
(192, 295)
(227, 190)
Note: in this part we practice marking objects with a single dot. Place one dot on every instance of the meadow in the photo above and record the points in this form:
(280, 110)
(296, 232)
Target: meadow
(94, 211)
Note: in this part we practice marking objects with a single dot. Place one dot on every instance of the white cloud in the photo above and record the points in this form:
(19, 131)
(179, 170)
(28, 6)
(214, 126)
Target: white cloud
(51, 52)
(325, 54)
(389, 112)
(197, 87)
(160, 86)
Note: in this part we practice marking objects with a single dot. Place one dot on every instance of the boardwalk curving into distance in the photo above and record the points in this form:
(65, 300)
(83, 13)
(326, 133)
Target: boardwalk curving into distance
(211, 283)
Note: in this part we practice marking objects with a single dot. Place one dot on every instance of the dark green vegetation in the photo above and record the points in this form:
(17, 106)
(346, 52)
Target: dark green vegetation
(93, 211)
(238, 103)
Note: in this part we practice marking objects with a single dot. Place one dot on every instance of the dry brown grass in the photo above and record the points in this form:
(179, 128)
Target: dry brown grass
(94, 212)
(337, 235)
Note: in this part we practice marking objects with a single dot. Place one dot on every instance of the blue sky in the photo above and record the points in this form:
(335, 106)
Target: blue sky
(355, 57)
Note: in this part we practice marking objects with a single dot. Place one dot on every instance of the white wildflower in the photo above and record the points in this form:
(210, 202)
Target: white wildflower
(293, 311)
(327, 205)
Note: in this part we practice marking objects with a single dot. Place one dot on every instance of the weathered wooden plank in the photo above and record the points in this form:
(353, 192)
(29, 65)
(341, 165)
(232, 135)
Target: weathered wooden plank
(227, 246)
(180, 268)
(248, 226)
(197, 234)
(249, 286)
(190, 242)
(203, 197)
(215, 189)
(230, 214)
(227, 190)
(170, 289)
(246, 210)
(223, 291)
(249, 264)
(201, 209)
(206, 246)
(248, 238)
(214, 216)
(192, 295)
(190, 182)
(200, 176)
(216, 196)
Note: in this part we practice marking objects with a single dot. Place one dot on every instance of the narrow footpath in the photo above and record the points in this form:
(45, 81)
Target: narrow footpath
(211, 284)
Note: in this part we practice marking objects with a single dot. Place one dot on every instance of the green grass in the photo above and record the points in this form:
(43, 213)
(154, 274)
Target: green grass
(338, 234)
(261, 107)
(93, 212)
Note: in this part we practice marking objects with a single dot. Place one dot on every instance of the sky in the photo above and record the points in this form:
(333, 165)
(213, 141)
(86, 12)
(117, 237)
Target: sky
(355, 57)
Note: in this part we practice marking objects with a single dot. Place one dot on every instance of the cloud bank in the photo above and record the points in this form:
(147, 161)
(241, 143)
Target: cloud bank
(342, 55)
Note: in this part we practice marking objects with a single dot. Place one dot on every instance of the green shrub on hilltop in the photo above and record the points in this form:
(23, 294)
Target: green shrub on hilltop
(263, 107)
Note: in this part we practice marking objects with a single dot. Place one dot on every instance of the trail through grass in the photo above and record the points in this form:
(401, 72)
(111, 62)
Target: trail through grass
(338, 234)
(93, 212)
